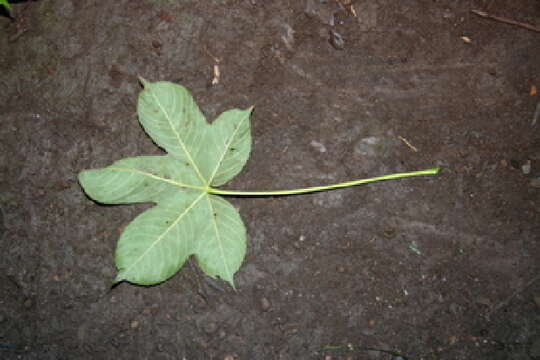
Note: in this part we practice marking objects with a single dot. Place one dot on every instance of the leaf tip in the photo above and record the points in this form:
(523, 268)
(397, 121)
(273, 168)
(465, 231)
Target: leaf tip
(143, 81)
(229, 280)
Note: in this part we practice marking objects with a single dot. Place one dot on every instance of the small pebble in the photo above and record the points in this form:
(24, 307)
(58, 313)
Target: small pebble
(336, 40)
(537, 301)
(265, 304)
(210, 328)
(318, 145)
(228, 357)
(526, 168)
(134, 324)
(483, 301)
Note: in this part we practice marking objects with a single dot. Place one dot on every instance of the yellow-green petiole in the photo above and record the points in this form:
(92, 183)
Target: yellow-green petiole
(433, 171)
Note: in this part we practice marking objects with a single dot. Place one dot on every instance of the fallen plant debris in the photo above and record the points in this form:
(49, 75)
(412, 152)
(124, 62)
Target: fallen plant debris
(190, 217)
(506, 20)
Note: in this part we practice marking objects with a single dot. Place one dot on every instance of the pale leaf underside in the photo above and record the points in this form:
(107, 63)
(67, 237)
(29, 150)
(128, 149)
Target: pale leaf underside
(187, 220)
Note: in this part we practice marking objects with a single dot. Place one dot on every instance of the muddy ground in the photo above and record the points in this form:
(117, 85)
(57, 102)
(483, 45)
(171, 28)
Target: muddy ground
(443, 267)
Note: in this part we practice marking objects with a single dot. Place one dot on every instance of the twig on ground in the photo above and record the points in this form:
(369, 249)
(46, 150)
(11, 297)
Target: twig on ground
(506, 20)
(413, 148)
(536, 115)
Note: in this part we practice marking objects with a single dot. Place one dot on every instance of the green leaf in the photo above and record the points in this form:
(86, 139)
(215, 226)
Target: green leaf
(5, 3)
(188, 219)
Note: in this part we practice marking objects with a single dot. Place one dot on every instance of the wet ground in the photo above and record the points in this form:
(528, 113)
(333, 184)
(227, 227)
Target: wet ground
(443, 267)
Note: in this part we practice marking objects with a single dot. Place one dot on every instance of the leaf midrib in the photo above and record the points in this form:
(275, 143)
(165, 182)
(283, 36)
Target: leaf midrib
(179, 138)
(156, 177)
(218, 236)
(160, 237)
(228, 144)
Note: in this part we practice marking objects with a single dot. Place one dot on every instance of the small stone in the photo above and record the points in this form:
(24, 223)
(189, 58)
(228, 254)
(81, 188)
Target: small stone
(318, 146)
(210, 328)
(27, 303)
(228, 357)
(526, 168)
(341, 269)
(336, 40)
(134, 324)
(537, 301)
(483, 301)
(265, 304)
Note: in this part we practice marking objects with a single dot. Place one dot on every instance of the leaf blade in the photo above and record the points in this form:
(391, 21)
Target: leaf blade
(138, 179)
(170, 116)
(222, 248)
(231, 137)
(156, 244)
(188, 219)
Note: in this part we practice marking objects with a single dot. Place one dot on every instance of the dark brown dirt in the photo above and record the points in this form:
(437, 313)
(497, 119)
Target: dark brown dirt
(428, 268)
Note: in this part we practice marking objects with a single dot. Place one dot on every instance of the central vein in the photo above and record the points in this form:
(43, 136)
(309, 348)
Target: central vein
(179, 138)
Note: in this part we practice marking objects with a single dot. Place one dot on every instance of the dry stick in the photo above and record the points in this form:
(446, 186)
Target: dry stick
(506, 20)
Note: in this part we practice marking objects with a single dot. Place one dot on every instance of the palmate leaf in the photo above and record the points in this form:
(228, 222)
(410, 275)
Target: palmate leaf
(187, 219)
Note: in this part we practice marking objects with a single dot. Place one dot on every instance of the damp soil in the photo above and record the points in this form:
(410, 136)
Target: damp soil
(443, 267)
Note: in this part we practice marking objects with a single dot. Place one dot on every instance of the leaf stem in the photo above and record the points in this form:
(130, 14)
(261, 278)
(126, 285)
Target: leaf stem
(433, 171)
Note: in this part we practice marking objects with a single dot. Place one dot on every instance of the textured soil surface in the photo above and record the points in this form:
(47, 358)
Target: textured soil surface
(444, 267)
